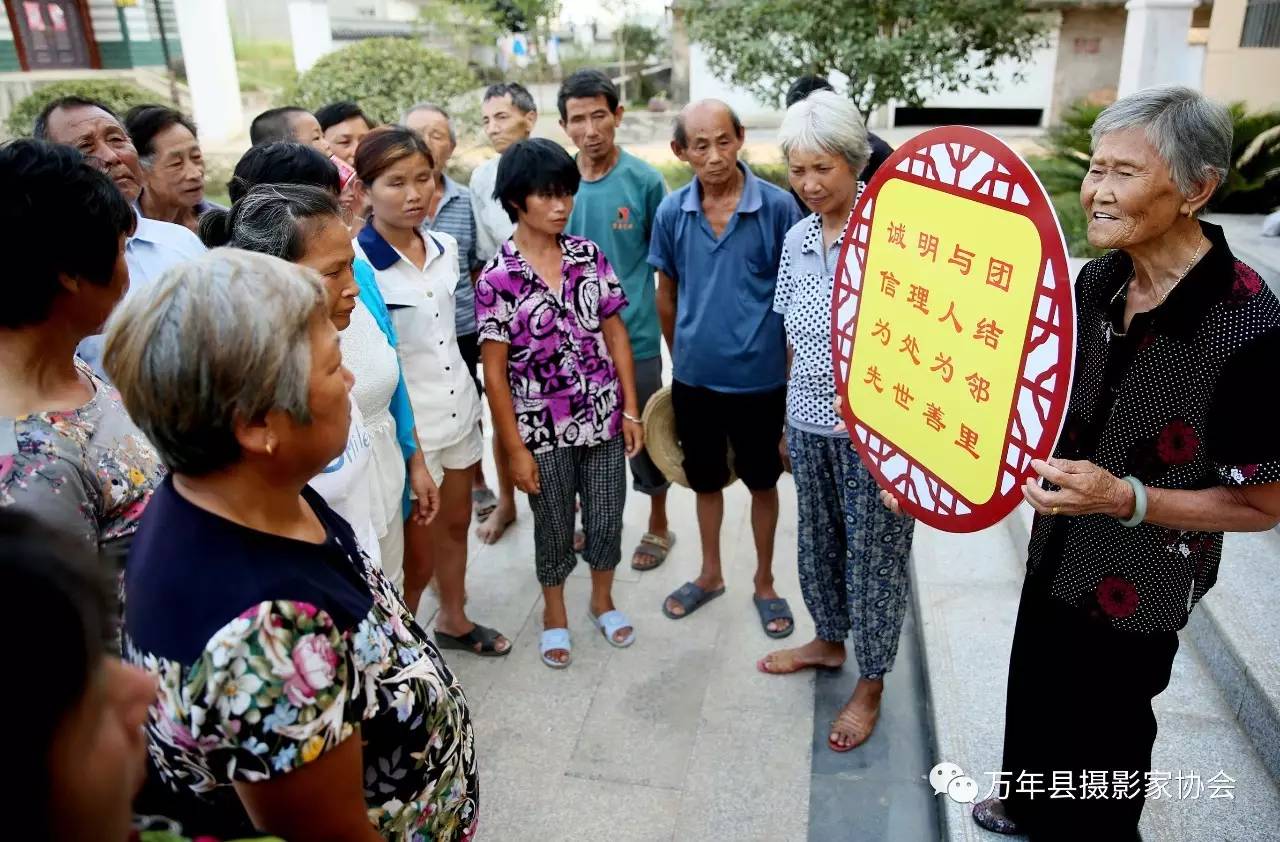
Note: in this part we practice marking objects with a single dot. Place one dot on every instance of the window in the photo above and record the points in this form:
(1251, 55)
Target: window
(1261, 24)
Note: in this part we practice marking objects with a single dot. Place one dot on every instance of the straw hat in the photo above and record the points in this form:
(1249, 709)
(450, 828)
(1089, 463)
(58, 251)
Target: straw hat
(661, 442)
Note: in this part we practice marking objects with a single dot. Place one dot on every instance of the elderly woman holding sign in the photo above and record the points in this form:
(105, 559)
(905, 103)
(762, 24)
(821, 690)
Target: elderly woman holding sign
(852, 554)
(1162, 451)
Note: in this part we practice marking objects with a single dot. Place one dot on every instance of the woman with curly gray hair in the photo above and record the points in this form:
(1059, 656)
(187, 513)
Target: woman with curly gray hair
(1163, 450)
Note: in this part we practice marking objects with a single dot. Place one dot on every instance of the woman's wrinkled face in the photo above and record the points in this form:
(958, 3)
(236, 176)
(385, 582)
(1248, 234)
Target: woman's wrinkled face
(313, 445)
(98, 760)
(823, 180)
(399, 197)
(330, 254)
(1128, 195)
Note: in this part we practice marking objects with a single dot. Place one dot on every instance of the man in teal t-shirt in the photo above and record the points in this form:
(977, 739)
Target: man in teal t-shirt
(615, 208)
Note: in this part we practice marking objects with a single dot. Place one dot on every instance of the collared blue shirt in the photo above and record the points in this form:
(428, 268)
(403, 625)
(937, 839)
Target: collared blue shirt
(454, 217)
(153, 248)
(727, 337)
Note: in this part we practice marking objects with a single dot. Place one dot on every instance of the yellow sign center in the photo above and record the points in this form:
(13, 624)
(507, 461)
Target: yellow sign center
(946, 300)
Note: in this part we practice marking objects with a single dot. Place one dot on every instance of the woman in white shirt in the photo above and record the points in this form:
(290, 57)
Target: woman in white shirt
(364, 484)
(417, 276)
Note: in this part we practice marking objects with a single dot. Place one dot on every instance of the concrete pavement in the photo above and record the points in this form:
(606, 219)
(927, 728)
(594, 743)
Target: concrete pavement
(677, 737)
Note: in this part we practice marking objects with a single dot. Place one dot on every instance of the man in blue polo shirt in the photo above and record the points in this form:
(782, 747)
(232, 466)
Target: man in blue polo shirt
(716, 244)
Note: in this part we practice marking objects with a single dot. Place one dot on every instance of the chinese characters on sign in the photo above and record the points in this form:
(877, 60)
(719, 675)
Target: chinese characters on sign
(946, 307)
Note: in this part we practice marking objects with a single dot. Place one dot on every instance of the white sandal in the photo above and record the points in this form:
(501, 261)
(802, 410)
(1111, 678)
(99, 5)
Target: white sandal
(609, 623)
(553, 639)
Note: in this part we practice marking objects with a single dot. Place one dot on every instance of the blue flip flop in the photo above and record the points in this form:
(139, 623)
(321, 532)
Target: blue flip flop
(551, 640)
(690, 597)
(774, 609)
(609, 623)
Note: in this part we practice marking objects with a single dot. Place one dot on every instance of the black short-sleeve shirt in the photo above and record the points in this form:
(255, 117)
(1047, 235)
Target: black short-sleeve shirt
(1178, 400)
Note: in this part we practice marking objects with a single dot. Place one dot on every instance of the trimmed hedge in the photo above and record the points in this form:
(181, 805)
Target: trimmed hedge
(120, 96)
(384, 75)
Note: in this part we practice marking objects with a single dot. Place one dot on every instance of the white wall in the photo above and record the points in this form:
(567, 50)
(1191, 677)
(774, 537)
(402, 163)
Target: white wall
(703, 84)
(1035, 90)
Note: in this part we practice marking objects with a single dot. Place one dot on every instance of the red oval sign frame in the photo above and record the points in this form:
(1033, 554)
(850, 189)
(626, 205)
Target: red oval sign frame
(974, 165)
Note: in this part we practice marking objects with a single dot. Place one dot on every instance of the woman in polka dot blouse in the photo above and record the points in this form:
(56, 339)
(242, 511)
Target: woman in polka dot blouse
(1163, 450)
(852, 553)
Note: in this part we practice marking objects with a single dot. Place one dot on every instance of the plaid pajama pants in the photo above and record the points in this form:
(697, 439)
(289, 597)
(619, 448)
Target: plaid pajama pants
(852, 551)
(596, 475)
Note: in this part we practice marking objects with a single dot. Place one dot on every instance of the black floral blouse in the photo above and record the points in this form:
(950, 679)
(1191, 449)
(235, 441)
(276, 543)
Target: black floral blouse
(270, 652)
(1174, 401)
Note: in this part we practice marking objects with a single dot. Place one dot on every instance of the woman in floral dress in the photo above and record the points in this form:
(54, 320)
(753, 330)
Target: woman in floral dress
(298, 696)
(68, 452)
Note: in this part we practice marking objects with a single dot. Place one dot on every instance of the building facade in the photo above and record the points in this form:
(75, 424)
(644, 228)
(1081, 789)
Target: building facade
(1242, 62)
(86, 34)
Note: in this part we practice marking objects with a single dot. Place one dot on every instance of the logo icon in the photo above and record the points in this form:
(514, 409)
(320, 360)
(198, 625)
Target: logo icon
(624, 214)
(942, 775)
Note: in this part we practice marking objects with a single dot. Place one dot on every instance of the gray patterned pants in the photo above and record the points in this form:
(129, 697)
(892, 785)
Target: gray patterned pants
(852, 551)
(598, 477)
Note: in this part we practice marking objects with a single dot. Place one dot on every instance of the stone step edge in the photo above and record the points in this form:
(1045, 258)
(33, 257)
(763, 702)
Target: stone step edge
(1210, 629)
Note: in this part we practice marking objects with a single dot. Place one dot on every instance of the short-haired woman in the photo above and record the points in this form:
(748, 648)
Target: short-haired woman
(365, 482)
(1163, 449)
(561, 384)
(852, 553)
(298, 694)
(417, 273)
(68, 452)
(172, 164)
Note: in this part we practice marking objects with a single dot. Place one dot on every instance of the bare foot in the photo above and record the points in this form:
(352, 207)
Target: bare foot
(858, 717)
(816, 653)
(491, 530)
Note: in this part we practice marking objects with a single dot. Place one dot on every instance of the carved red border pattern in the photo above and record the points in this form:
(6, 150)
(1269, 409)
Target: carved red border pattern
(943, 159)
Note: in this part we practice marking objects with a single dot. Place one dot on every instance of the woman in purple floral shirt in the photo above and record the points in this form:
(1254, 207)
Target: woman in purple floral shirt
(560, 383)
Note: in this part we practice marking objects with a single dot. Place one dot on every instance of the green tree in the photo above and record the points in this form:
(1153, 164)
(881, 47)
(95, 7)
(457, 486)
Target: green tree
(639, 42)
(889, 49)
(117, 95)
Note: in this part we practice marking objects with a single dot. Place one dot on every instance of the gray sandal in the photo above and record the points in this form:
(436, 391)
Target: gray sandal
(656, 547)
(690, 597)
(771, 610)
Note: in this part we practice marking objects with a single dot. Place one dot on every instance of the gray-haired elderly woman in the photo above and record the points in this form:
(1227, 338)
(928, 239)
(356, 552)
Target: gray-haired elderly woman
(293, 678)
(852, 553)
(1163, 450)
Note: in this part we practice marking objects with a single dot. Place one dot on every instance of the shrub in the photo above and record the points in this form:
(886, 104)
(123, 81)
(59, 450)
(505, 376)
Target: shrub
(1253, 180)
(120, 96)
(384, 75)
